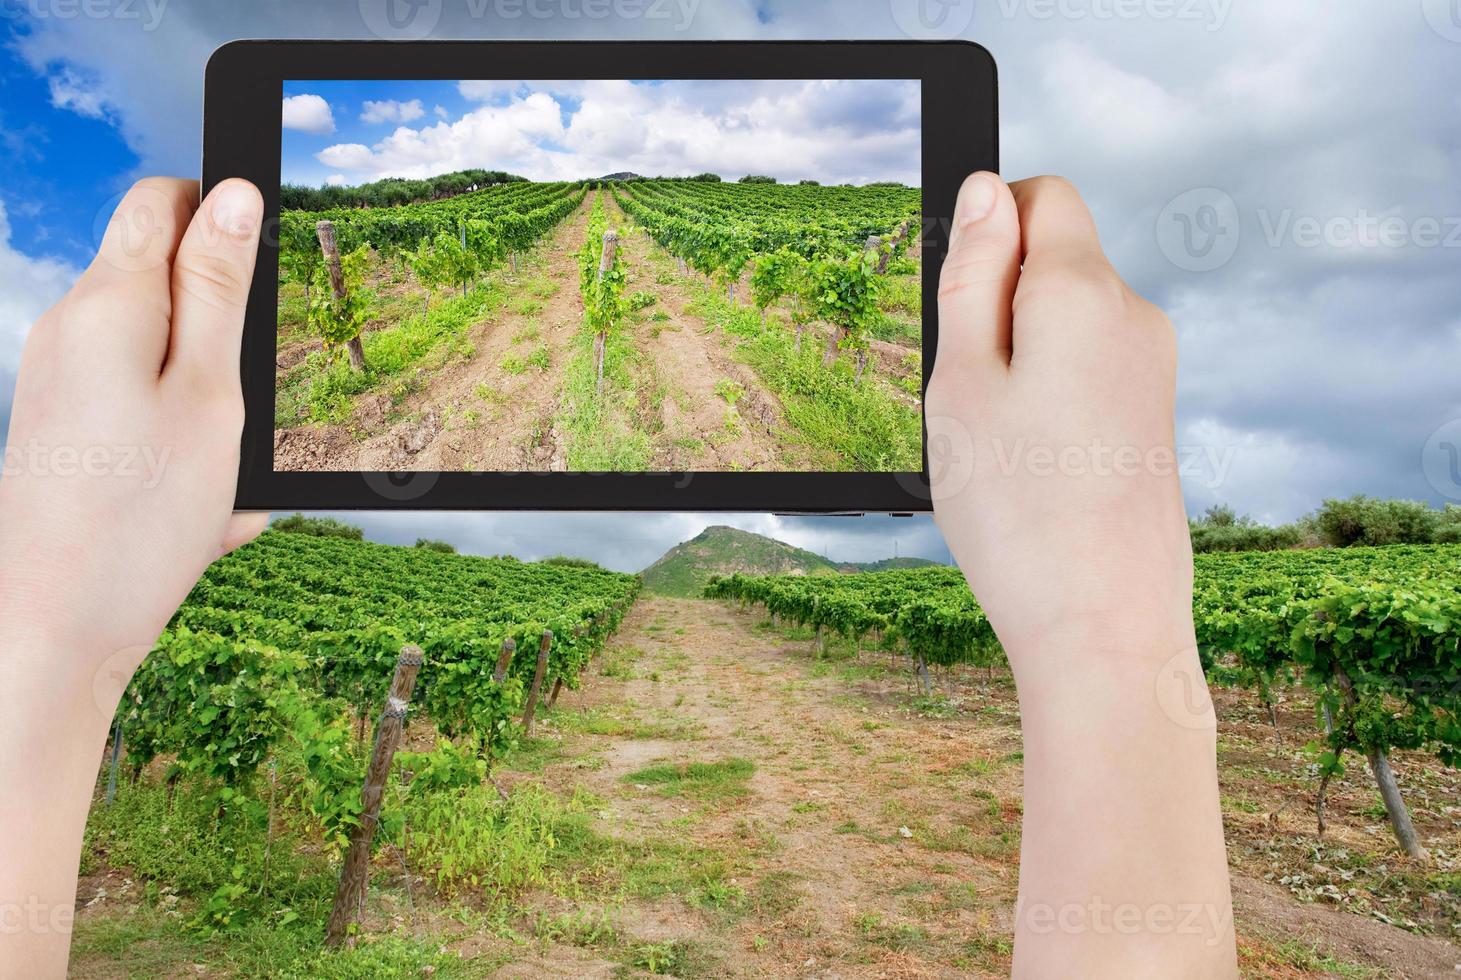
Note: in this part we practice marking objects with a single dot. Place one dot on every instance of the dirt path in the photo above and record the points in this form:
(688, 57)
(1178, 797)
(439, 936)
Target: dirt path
(870, 841)
(494, 410)
(697, 427)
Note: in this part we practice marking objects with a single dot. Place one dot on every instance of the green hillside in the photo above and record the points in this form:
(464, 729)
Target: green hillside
(686, 568)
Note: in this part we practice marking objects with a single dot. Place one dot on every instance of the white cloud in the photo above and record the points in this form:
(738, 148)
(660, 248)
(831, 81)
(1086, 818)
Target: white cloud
(389, 110)
(441, 112)
(308, 114)
(337, 180)
(853, 131)
(32, 286)
(82, 95)
(1282, 105)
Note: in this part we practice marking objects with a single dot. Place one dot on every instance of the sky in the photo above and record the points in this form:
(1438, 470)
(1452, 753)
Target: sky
(834, 131)
(1281, 178)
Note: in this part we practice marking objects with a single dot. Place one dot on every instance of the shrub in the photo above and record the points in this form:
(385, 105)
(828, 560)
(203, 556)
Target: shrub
(319, 527)
(433, 545)
(1221, 529)
(757, 179)
(1362, 520)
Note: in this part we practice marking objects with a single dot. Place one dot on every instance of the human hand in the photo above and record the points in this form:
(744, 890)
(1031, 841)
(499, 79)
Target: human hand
(1062, 381)
(1054, 389)
(123, 451)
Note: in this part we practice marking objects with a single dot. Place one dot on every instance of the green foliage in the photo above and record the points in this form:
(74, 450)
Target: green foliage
(445, 260)
(730, 390)
(604, 305)
(320, 527)
(571, 562)
(431, 544)
(846, 293)
(640, 299)
(1220, 529)
(337, 320)
(706, 178)
(1366, 521)
(757, 179)
(444, 769)
(777, 274)
(471, 839)
(390, 192)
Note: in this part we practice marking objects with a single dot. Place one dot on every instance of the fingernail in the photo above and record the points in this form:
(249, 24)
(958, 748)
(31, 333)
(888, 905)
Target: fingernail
(977, 198)
(236, 208)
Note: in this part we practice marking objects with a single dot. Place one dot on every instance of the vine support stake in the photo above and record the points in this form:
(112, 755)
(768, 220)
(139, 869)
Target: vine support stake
(355, 872)
(504, 660)
(116, 759)
(601, 339)
(532, 707)
(325, 231)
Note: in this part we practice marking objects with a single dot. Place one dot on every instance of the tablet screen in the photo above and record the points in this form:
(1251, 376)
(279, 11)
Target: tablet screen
(631, 276)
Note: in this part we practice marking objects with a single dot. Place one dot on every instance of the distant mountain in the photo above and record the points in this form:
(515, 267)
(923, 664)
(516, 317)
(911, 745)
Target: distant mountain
(687, 567)
(622, 175)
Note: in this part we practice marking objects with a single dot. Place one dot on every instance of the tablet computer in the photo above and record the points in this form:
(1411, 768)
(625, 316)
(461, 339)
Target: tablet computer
(595, 275)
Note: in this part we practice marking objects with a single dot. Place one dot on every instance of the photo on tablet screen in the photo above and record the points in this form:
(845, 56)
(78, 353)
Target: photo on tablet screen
(637, 276)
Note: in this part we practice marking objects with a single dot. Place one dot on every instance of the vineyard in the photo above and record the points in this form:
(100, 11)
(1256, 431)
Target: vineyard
(284, 653)
(1374, 633)
(447, 334)
(825, 767)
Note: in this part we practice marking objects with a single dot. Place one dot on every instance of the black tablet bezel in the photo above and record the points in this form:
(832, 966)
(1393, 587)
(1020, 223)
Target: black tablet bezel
(242, 137)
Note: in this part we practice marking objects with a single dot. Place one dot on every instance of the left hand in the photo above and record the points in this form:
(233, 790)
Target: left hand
(123, 452)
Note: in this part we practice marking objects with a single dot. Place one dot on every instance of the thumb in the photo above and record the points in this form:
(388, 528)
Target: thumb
(978, 278)
(211, 276)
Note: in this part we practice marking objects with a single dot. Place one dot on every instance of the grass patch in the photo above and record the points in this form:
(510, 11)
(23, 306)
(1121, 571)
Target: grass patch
(697, 780)
(601, 428)
(540, 360)
(859, 425)
(323, 387)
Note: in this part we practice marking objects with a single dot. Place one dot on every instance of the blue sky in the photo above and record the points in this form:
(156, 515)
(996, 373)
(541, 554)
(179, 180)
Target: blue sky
(58, 166)
(1315, 361)
(834, 131)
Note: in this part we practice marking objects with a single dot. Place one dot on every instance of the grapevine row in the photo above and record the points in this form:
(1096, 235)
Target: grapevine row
(1376, 633)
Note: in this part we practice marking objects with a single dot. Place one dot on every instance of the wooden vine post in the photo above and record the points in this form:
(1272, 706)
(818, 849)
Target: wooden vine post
(355, 872)
(532, 705)
(504, 660)
(578, 632)
(601, 339)
(325, 230)
(1380, 768)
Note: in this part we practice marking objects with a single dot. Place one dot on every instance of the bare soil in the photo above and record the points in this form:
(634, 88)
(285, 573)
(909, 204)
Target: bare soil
(896, 831)
(875, 834)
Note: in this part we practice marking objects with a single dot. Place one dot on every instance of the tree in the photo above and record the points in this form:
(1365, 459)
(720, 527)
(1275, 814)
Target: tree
(1362, 520)
(431, 544)
(319, 527)
(757, 179)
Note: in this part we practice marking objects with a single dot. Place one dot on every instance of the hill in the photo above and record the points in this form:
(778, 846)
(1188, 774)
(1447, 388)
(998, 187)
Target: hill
(623, 175)
(719, 550)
